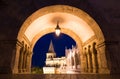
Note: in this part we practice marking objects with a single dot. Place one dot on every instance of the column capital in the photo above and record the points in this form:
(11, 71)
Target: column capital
(19, 43)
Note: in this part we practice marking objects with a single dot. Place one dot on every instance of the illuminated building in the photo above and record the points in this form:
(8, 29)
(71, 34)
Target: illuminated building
(70, 63)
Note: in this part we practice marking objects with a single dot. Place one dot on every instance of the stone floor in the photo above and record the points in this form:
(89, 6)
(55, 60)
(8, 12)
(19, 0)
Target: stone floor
(60, 76)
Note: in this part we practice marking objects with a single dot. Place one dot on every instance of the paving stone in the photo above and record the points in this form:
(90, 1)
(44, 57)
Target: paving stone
(60, 76)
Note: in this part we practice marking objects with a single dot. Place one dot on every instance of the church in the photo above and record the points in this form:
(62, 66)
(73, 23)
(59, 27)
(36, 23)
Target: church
(53, 63)
(68, 64)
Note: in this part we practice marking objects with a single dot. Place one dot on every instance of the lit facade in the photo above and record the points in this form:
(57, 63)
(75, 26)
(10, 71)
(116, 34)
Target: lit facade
(70, 63)
(53, 63)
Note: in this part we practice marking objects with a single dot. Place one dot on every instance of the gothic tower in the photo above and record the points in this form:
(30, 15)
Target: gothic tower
(51, 53)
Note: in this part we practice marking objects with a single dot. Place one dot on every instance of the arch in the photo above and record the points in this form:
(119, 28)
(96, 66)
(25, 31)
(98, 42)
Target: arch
(65, 31)
(81, 19)
(64, 9)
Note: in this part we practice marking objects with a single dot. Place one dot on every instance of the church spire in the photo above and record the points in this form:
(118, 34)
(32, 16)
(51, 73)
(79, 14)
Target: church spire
(51, 48)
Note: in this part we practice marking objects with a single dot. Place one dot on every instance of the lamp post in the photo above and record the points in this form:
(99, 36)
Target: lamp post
(57, 29)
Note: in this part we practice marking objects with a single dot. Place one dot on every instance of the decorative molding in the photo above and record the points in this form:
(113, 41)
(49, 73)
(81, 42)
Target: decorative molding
(89, 40)
(5, 42)
(19, 43)
(108, 43)
(26, 39)
(111, 42)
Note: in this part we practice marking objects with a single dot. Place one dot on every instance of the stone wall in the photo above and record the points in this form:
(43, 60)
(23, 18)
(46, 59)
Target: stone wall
(13, 14)
(7, 53)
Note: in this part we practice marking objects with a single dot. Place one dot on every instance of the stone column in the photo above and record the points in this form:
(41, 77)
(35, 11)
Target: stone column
(86, 62)
(27, 65)
(114, 52)
(109, 49)
(30, 61)
(21, 58)
(90, 67)
(16, 63)
(82, 66)
(27, 60)
(24, 57)
(94, 58)
(103, 59)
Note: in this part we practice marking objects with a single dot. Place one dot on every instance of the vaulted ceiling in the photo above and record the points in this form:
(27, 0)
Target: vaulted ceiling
(68, 21)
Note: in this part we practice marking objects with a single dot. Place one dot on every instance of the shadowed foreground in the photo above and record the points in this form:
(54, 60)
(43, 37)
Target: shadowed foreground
(60, 76)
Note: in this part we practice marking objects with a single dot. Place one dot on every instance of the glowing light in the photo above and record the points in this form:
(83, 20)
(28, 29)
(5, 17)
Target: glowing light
(73, 23)
(57, 30)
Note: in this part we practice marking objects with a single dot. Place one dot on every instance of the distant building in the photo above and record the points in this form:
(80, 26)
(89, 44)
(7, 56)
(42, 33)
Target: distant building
(66, 64)
(53, 64)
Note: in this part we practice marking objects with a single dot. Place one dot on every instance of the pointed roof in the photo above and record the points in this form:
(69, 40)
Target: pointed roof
(51, 48)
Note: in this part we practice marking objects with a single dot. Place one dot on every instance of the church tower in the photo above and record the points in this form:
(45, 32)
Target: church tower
(51, 53)
(51, 47)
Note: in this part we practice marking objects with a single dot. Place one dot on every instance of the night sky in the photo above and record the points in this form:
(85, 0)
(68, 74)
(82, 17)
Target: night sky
(42, 45)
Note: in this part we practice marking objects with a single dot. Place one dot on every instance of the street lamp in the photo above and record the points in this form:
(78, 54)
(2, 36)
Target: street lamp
(57, 29)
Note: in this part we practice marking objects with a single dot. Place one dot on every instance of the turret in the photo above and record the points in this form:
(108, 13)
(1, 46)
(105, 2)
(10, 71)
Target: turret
(51, 53)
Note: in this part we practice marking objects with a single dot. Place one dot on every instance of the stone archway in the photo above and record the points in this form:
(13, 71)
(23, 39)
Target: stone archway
(84, 32)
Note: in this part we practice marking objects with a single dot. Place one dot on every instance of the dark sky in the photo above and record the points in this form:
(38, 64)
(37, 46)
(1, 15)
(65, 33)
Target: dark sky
(42, 45)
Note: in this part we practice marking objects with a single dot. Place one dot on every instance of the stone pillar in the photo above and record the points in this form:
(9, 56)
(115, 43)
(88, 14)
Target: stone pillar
(104, 58)
(90, 67)
(112, 56)
(114, 52)
(21, 58)
(85, 60)
(86, 66)
(28, 61)
(94, 58)
(16, 63)
(25, 62)
(88, 59)
(82, 65)
(24, 58)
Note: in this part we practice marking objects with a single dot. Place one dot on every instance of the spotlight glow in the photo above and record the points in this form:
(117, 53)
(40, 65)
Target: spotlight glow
(57, 32)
